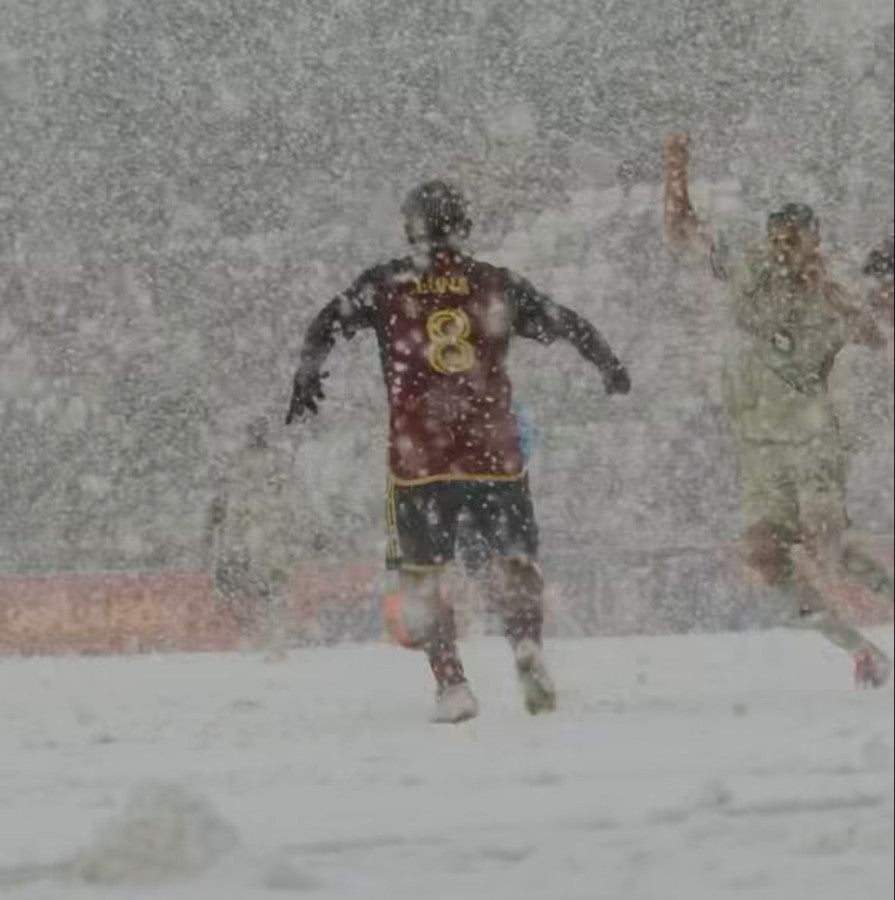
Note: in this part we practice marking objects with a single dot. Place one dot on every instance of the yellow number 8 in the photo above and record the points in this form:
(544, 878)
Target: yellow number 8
(449, 351)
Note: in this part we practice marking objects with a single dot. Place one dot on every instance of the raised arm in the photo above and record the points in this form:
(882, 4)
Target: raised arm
(346, 313)
(536, 316)
(681, 229)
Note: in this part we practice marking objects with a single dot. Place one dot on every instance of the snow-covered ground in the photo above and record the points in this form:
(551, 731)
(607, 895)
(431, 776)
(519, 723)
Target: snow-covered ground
(706, 766)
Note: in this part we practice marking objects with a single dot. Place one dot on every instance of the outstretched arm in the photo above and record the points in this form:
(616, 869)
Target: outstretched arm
(861, 323)
(345, 314)
(536, 316)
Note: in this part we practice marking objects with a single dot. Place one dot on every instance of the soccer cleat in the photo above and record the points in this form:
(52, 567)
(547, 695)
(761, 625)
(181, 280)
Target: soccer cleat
(871, 669)
(538, 691)
(455, 703)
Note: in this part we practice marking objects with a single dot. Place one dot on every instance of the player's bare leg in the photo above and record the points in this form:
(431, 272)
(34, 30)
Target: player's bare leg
(835, 555)
(857, 564)
(770, 553)
(274, 635)
(517, 594)
(822, 540)
(435, 632)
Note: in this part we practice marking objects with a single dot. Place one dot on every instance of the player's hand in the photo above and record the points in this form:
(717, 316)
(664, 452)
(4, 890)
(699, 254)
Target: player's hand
(617, 380)
(306, 391)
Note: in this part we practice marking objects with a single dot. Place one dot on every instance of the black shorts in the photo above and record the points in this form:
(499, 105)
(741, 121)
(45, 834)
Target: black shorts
(424, 522)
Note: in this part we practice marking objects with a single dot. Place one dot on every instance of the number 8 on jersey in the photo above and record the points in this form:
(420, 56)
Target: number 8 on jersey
(449, 351)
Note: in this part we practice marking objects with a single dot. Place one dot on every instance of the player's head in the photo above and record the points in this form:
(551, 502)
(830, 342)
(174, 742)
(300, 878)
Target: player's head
(435, 213)
(794, 233)
(794, 217)
(879, 261)
(878, 267)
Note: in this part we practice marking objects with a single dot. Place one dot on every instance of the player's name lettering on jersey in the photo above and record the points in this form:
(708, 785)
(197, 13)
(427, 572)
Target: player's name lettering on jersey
(431, 284)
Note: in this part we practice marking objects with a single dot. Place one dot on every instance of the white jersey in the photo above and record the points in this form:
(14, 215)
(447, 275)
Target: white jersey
(255, 521)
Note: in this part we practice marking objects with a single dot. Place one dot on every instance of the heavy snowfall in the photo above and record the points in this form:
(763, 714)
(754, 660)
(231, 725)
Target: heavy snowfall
(183, 185)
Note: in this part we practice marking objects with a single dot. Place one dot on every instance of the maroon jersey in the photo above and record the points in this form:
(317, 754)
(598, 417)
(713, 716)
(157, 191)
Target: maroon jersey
(443, 330)
(443, 336)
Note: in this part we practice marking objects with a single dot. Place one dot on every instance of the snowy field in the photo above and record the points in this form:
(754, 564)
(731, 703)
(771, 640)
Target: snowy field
(697, 767)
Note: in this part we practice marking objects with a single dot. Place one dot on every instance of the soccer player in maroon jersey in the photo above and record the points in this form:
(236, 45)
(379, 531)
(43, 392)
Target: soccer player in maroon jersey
(443, 321)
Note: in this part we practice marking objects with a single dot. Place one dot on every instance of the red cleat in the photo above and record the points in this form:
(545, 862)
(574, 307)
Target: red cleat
(871, 669)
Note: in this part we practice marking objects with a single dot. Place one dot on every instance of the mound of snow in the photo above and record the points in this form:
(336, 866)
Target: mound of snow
(166, 831)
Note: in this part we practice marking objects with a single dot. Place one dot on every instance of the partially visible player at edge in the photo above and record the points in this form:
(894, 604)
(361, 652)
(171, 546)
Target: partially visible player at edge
(443, 321)
(792, 320)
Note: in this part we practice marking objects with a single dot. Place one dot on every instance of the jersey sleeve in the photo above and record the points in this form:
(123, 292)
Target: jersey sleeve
(346, 313)
(536, 316)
